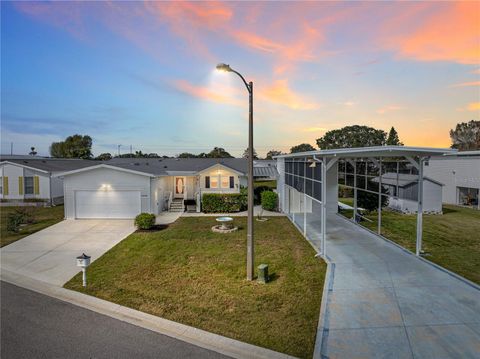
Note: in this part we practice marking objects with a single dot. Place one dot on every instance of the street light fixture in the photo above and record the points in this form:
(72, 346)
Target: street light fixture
(250, 247)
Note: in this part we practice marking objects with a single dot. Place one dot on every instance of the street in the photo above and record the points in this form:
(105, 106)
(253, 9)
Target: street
(37, 326)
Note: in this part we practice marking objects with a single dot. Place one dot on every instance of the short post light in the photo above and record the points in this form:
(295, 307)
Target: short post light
(83, 262)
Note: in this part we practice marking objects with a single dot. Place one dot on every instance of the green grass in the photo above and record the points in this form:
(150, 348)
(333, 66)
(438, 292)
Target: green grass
(188, 274)
(451, 240)
(43, 217)
(267, 183)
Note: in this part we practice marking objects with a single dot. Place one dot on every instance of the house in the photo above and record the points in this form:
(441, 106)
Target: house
(460, 174)
(265, 169)
(125, 187)
(24, 178)
(403, 192)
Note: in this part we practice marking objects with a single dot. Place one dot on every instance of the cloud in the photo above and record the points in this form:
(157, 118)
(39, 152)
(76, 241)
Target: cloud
(474, 106)
(205, 93)
(390, 108)
(281, 93)
(348, 103)
(447, 32)
(466, 84)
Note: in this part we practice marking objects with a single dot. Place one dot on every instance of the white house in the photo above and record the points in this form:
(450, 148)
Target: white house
(24, 178)
(460, 174)
(403, 192)
(125, 187)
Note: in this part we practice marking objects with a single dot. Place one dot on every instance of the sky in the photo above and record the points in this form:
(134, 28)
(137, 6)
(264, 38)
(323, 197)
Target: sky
(142, 74)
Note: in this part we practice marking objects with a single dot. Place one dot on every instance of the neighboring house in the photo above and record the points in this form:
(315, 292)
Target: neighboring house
(403, 193)
(24, 178)
(460, 174)
(265, 169)
(124, 187)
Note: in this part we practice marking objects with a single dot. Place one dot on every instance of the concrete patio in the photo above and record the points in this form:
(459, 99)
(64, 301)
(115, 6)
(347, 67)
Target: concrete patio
(385, 303)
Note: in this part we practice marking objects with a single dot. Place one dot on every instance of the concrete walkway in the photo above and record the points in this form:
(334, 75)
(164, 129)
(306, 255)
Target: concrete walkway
(256, 211)
(385, 303)
(49, 255)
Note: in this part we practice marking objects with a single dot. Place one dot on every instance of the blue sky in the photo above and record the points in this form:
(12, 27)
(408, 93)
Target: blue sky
(142, 74)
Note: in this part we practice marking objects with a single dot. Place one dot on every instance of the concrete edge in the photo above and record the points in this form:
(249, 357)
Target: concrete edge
(323, 317)
(443, 269)
(198, 337)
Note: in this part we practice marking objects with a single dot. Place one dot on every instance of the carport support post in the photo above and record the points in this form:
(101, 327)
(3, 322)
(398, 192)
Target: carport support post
(324, 207)
(354, 190)
(420, 207)
(379, 229)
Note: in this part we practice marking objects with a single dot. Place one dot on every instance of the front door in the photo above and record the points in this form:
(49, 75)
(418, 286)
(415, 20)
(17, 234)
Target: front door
(179, 187)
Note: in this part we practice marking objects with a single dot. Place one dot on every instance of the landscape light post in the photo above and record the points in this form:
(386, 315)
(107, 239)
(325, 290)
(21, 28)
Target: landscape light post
(250, 246)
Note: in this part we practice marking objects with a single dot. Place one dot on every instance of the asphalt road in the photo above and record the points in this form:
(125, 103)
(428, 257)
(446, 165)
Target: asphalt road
(37, 326)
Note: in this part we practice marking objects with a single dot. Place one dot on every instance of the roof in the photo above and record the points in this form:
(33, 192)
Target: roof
(168, 166)
(265, 171)
(466, 154)
(404, 179)
(375, 151)
(51, 164)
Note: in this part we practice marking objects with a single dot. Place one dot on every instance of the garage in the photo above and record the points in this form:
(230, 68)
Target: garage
(107, 204)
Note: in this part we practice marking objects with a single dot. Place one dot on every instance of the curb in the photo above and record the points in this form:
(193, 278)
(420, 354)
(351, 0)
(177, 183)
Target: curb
(198, 337)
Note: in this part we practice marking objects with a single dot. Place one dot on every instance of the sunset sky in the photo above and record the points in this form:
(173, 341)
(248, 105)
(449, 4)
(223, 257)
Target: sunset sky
(142, 73)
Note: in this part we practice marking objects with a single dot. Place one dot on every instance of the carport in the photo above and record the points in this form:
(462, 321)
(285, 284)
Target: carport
(308, 183)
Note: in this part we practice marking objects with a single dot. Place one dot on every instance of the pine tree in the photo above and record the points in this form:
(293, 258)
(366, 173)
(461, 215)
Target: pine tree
(393, 139)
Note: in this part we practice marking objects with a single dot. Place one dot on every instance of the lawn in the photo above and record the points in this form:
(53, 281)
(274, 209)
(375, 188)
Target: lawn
(43, 217)
(266, 183)
(190, 275)
(451, 240)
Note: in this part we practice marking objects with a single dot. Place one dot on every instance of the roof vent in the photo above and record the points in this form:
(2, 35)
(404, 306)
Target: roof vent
(137, 164)
(44, 161)
(146, 164)
(165, 166)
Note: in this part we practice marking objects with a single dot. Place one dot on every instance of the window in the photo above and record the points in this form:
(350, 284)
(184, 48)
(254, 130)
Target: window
(225, 181)
(207, 181)
(28, 185)
(213, 181)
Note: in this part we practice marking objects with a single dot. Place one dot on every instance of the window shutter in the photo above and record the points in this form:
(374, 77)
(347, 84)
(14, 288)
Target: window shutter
(5, 186)
(20, 185)
(207, 181)
(36, 185)
(232, 182)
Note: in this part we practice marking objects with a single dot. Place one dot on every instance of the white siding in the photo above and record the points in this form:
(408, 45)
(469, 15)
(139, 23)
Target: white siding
(281, 183)
(223, 172)
(13, 172)
(453, 172)
(332, 189)
(114, 179)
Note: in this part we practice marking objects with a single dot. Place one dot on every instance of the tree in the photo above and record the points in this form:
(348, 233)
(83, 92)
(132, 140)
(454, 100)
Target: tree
(466, 136)
(104, 157)
(76, 146)
(32, 151)
(245, 154)
(219, 152)
(187, 155)
(303, 147)
(352, 136)
(272, 153)
(393, 139)
(152, 155)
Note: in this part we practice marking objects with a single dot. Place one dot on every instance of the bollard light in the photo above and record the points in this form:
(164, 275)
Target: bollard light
(83, 262)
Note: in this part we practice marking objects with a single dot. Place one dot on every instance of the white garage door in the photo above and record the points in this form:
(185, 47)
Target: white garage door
(107, 204)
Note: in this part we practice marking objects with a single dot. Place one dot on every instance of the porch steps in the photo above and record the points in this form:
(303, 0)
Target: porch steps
(177, 205)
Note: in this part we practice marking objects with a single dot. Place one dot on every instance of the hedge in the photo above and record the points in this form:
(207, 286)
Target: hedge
(223, 202)
(269, 200)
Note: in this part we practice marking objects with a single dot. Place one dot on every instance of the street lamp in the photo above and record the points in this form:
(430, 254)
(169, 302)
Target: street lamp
(250, 249)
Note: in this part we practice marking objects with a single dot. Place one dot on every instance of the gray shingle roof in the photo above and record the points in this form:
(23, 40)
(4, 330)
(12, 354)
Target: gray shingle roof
(52, 164)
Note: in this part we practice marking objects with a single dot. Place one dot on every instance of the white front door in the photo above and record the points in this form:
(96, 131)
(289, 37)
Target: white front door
(180, 185)
(107, 204)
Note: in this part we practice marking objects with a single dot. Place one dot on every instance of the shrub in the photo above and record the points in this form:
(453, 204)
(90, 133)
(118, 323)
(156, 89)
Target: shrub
(145, 220)
(224, 202)
(257, 193)
(345, 192)
(269, 200)
(14, 220)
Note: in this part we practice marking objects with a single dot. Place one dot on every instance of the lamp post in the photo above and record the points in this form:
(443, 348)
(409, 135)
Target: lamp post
(250, 247)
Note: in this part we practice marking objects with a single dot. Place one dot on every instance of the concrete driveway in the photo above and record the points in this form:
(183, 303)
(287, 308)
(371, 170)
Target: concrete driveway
(49, 255)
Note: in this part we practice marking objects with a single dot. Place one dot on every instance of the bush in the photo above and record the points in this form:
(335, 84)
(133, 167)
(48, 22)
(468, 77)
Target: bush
(224, 202)
(269, 200)
(145, 220)
(22, 215)
(257, 193)
(345, 192)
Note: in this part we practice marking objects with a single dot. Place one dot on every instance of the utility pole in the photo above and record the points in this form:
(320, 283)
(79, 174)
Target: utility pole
(118, 150)
(131, 149)
(11, 148)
